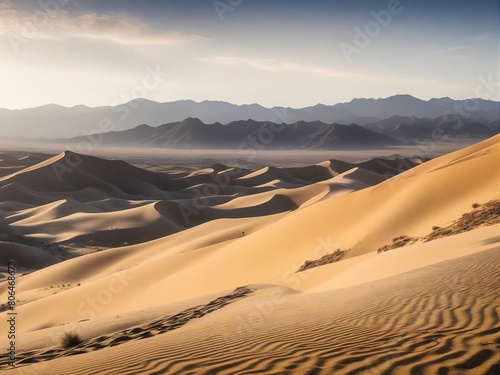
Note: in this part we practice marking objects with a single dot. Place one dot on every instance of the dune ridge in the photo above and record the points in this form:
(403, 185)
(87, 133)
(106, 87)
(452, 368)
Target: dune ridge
(447, 323)
(142, 241)
(69, 198)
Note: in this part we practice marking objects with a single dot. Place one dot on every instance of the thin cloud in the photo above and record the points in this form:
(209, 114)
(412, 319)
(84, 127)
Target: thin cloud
(452, 49)
(479, 37)
(453, 52)
(260, 64)
(272, 65)
(59, 24)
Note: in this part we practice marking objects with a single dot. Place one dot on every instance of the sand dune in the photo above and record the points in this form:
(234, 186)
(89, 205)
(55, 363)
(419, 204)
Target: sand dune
(51, 211)
(439, 318)
(82, 200)
(30, 257)
(164, 253)
(14, 162)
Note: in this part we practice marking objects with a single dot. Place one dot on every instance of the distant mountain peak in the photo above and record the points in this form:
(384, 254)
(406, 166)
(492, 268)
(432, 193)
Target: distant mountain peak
(192, 121)
(192, 133)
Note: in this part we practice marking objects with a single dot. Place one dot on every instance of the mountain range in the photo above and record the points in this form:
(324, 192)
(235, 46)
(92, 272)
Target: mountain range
(192, 133)
(54, 121)
(411, 129)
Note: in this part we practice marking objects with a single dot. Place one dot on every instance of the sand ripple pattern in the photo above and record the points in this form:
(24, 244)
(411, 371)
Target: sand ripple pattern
(153, 328)
(442, 319)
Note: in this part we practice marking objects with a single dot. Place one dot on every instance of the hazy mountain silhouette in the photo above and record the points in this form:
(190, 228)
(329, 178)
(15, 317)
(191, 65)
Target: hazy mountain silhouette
(411, 129)
(54, 121)
(192, 133)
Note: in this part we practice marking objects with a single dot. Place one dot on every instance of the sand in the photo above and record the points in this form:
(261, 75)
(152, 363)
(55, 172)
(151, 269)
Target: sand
(156, 263)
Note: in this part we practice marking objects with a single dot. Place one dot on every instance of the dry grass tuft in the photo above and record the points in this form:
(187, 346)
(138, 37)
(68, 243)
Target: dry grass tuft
(326, 259)
(71, 339)
(398, 242)
(482, 215)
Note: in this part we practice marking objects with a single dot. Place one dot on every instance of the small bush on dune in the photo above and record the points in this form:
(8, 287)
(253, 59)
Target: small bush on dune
(398, 242)
(325, 259)
(71, 339)
(485, 214)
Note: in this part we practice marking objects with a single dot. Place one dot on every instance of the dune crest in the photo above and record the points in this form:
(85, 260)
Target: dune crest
(139, 242)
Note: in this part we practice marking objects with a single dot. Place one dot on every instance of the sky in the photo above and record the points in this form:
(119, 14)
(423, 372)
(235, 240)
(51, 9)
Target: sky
(271, 52)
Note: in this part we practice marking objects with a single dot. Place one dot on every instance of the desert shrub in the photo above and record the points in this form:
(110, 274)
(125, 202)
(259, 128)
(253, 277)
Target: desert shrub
(398, 242)
(436, 227)
(71, 339)
(325, 259)
(475, 205)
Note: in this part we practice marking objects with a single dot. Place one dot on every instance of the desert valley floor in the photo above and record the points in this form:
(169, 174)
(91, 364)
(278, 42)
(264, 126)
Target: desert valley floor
(387, 266)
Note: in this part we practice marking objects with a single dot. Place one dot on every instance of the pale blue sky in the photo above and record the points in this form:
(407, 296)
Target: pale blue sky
(287, 53)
